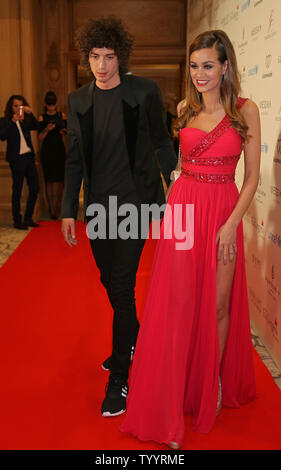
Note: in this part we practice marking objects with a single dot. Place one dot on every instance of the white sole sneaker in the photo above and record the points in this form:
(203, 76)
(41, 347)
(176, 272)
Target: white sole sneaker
(107, 414)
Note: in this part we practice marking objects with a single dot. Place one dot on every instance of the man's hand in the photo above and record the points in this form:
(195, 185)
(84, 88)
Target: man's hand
(27, 109)
(16, 117)
(68, 231)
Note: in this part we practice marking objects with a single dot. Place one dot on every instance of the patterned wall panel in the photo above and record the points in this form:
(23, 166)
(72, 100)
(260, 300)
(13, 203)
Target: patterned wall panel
(254, 29)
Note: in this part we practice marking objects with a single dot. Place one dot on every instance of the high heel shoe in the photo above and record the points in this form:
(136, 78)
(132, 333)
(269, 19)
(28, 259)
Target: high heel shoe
(174, 445)
(219, 403)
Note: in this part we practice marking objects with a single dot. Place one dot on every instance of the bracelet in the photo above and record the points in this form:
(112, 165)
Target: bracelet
(174, 175)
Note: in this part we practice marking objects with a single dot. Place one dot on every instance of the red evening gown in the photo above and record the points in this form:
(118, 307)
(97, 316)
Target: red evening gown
(176, 366)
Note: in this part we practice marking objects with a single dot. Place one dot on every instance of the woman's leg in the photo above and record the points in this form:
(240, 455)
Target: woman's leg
(50, 197)
(225, 274)
(58, 197)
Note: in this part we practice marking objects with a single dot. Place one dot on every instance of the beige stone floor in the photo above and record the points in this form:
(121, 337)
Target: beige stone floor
(10, 238)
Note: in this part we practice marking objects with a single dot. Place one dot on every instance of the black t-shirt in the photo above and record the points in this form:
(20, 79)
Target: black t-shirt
(111, 172)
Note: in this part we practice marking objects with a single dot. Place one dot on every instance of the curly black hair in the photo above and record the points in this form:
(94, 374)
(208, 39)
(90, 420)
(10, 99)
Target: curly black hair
(106, 32)
(8, 113)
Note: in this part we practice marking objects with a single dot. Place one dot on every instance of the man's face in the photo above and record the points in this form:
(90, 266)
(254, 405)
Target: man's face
(16, 104)
(105, 67)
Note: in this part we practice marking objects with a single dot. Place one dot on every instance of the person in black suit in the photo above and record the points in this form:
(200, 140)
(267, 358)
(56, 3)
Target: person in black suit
(117, 143)
(15, 128)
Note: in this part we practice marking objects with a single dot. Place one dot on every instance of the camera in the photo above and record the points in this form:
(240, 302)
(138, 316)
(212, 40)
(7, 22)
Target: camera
(21, 111)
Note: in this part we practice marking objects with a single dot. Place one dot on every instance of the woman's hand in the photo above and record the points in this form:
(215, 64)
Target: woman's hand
(47, 129)
(50, 127)
(226, 238)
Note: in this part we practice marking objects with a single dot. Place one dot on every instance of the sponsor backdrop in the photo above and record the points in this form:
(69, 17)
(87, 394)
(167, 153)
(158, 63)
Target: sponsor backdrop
(254, 27)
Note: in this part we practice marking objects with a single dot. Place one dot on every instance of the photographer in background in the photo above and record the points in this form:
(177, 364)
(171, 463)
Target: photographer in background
(52, 128)
(15, 128)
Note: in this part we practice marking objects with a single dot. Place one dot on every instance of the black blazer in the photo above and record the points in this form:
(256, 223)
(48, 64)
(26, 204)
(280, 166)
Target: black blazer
(149, 145)
(9, 131)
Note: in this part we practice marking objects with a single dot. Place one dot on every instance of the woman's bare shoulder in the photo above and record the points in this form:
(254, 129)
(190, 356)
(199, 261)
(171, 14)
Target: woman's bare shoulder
(249, 109)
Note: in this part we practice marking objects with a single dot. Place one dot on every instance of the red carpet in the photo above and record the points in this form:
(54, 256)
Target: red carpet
(55, 333)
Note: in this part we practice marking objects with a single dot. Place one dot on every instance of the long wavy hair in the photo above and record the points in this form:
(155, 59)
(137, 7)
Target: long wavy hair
(230, 85)
(107, 32)
(8, 113)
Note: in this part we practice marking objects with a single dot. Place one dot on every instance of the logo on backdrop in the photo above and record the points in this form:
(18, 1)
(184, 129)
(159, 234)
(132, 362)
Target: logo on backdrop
(264, 147)
(256, 31)
(256, 301)
(256, 261)
(265, 107)
(256, 4)
(268, 62)
(270, 26)
(272, 323)
(275, 238)
(232, 16)
(271, 20)
(276, 192)
(245, 5)
(260, 193)
(278, 117)
(265, 104)
(243, 44)
(253, 71)
(258, 226)
(272, 289)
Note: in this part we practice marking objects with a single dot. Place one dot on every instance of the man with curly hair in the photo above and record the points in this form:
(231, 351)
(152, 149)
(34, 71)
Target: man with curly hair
(118, 143)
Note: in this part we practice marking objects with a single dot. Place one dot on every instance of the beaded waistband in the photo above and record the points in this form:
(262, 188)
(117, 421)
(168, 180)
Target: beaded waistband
(208, 178)
(212, 161)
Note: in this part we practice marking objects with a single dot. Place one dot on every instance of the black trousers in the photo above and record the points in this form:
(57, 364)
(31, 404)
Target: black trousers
(117, 261)
(24, 167)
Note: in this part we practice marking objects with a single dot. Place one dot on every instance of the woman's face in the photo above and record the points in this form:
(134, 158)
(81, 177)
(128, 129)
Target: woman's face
(206, 70)
(51, 108)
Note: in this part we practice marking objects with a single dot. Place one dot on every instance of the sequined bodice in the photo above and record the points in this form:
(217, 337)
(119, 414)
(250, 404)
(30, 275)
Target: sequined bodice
(210, 157)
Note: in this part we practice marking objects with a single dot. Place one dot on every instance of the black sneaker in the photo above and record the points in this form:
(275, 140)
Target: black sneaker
(107, 363)
(30, 223)
(114, 403)
(20, 226)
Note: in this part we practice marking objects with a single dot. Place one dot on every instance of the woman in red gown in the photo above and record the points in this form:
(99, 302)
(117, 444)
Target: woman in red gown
(194, 352)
